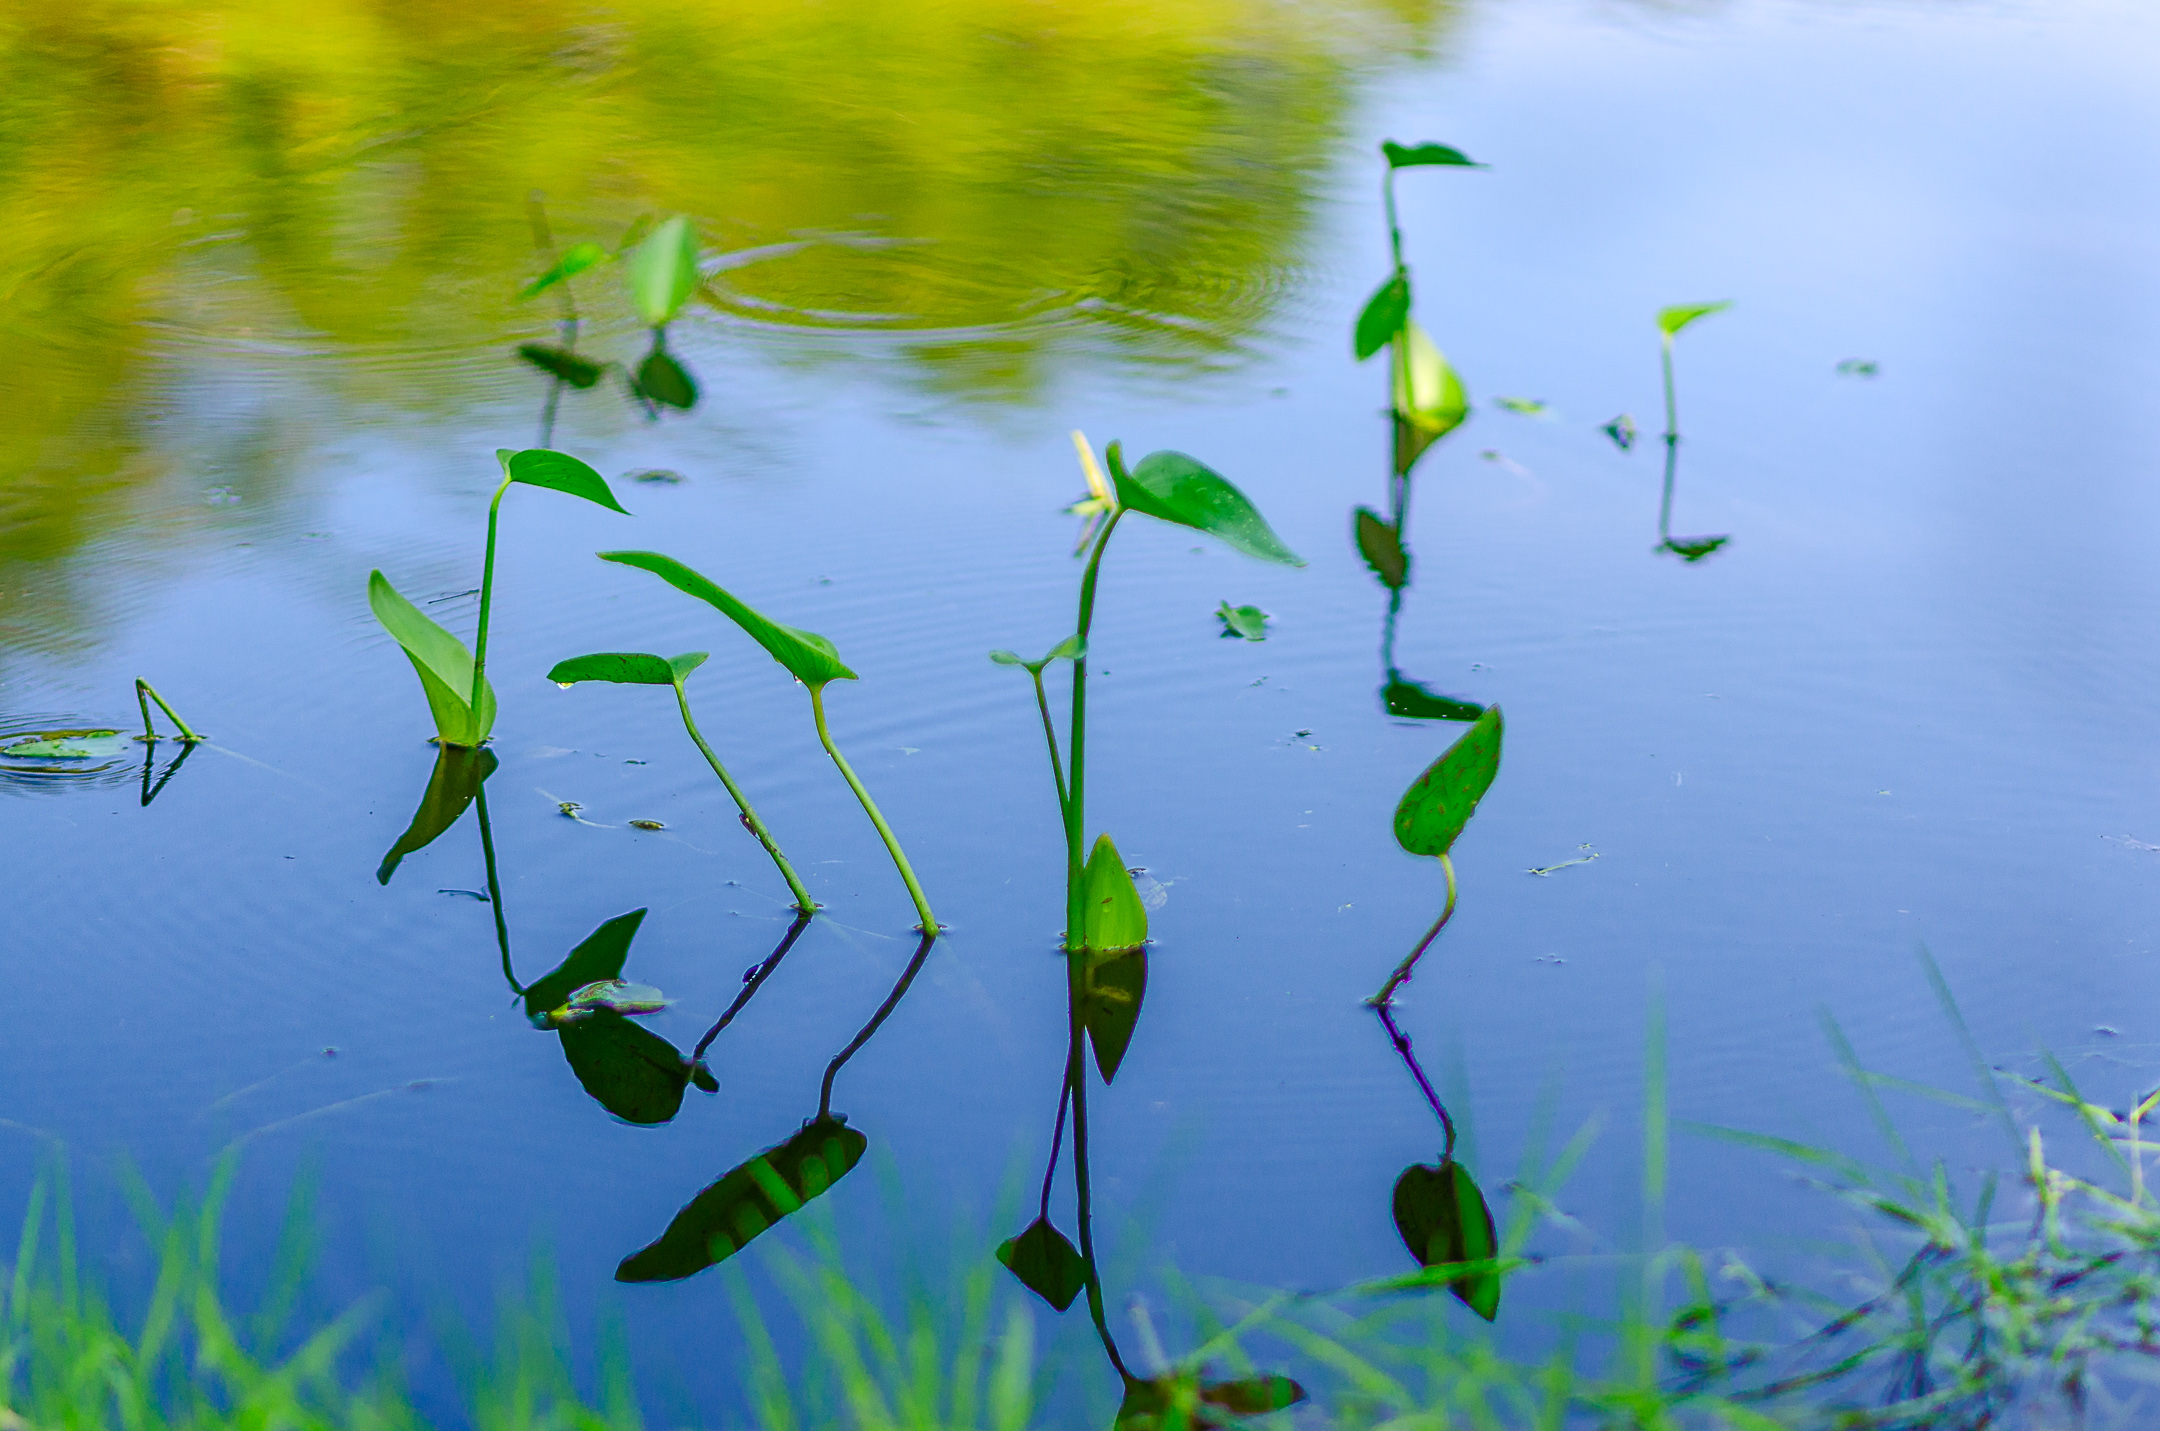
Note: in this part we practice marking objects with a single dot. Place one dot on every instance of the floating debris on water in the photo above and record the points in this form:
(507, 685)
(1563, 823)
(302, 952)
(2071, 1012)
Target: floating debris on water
(647, 825)
(1859, 368)
(1578, 860)
(1622, 431)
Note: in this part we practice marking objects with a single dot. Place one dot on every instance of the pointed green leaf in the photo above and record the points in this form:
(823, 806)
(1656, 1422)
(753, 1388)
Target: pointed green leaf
(1172, 487)
(663, 271)
(1412, 701)
(1671, 320)
(1249, 622)
(1071, 648)
(1007, 658)
(575, 260)
(442, 663)
(560, 472)
(1693, 549)
(687, 662)
(630, 668)
(631, 1071)
(1112, 918)
(1428, 391)
(1410, 156)
(1443, 1220)
(600, 956)
(1252, 1395)
(1045, 1263)
(1383, 316)
(1112, 987)
(1441, 801)
(661, 379)
(1381, 546)
(809, 657)
(457, 777)
(722, 1219)
(561, 363)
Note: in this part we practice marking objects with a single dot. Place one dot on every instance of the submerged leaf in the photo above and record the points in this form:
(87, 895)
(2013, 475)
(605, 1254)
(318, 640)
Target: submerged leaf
(808, 657)
(630, 668)
(443, 664)
(1249, 622)
(1172, 487)
(629, 1070)
(1413, 701)
(559, 472)
(1408, 156)
(661, 379)
(1382, 317)
(1381, 546)
(1046, 1264)
(1441, 801)
(562, 364)
(1112, 987)
(722, 1219)
(1443, 1220)
(450, 790)
(600, 956)
(575, 260)
(1112, 918)
(1671, 320)
(663, 271)
(1180, 1401)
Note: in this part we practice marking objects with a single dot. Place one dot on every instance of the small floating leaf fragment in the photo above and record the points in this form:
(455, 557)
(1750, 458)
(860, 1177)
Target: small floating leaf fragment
(620, 997)
(569, 807)
(657, 476)
(1528, 407)
(1578, 860)
(647, 825)
(1859, 368)
(1622, 432)
(1249, 622)
(1692, 549)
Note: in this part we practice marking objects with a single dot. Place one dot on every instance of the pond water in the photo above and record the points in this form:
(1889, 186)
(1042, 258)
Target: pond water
(261, 298)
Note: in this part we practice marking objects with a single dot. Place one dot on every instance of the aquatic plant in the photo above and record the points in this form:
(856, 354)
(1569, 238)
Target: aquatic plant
(637, 669)
(660, 268)
(144, 694)
(453, 678)
(1671, 323)
(810, 659)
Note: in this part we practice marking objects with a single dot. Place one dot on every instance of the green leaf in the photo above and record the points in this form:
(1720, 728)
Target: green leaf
(561, 363)
(1411, 156)
(559, 472)
(1045, 1263)
(1441, 801)
(687, 662)
(600, 956)
(722, 1219)
(1443, 1220)
(1412, 701)
(1068, 649)
(808, 657)
(1383, 316)
(442, 663)
(1621, 430)
(631, 1071)
(661, 379)
(1172, 487)
(1180, 1401)
(1007, 658)
(1249, 622)
(1693, 549)
(1112, 919)
(1252, 1395)
(451, 788)
(663, 271)
(1427, 391)
(1111, 989)
(1671, 320)
(575, 260)
(70, 745)
(1381, 546)
(629, 668)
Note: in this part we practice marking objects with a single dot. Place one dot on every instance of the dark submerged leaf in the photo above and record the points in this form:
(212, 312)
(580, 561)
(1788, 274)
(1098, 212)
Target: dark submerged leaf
(1412, 701)
(1410, 156)
(600, 956)
(1046, 1264)
(629, 1070)
(1381, 546)
(1172, 487)
(661, 379)
(1382, 317)
(808, 657)
(722, 1219)
(561, 363)
(1179, 1401)
(451, 788)
(1112, 987)
(1441, 801)
(559, 472)
(1443, 1220)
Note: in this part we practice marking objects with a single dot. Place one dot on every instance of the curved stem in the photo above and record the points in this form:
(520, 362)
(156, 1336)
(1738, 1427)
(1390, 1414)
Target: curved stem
(142, 688)
(1076, 1081)
(1057, 765)
(1403, 970)
(1401, 1041)
(1057, 1142)
(804, 904)
(502, 925)
(757, 978)
(487, 596)
(1076, 788)
(892, 844)
(892, 1001)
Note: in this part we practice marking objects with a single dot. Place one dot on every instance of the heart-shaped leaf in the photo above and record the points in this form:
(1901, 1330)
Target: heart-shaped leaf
(1045, 1263)
(1412, 701)
(442, 662)
(561, 363)
(722, 1219)
(809, 657)
(1172, 487)
(1112, 987)
(450, 790)
(663, 271)
(559, 472)
(661, 379)
(600, 956)
(1112, 919)
(1381, 546)
(1383, 316)
(631, 1071)
(630, 668)
(1410, 156)
(1428, 393)
(1671, 320)
(1443, 1221)
(1441, 801)
(575, 260)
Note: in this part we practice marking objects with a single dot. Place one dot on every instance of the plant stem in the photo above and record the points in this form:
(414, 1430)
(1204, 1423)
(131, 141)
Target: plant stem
(143, 688)
(1076, 786)
(929, 925)
(151, 792)
(502, 925)
(1672, 467)
(804, 904)
(751, 985)
(892, 1001)
(1401, 1041)
(1057, 1141)
(1076, 1081)
(487, 596)
(1672, 407)
(1057, 765)
(1394, 229)
(1403, 970)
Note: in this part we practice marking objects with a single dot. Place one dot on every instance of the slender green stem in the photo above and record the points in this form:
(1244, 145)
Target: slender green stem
(929, 925)
(752, 984)
(1409, 964)
(1076, 785)
(804, 904)
(1672, 407)
(143, 688)
(1057, 1141)
(1672, 467)
(892, 1001)
(1401, 1041)
(1057, 765)
(487, 597)
(502, 925)
(1394, 229)
(1076, 1081)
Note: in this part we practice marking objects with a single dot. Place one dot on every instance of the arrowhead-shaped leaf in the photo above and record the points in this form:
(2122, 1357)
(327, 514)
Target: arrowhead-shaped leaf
(1383, 316)
(663, 271)
(575, 260)
(630, 668)
(1443, 1221)
(1441, 801)
(1671, 320)
(631, 1071)
(722, 1219)
(559, 472)
(457, 777)
(663, 380)
(1112, 989)
(442, 662)
(1381, 546)
(1172, 487)
(1428, 392)
(809, 657)
(1112, 919)
(600, 956)
(561, 363)
(1410, 156)
(1045, 1263)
